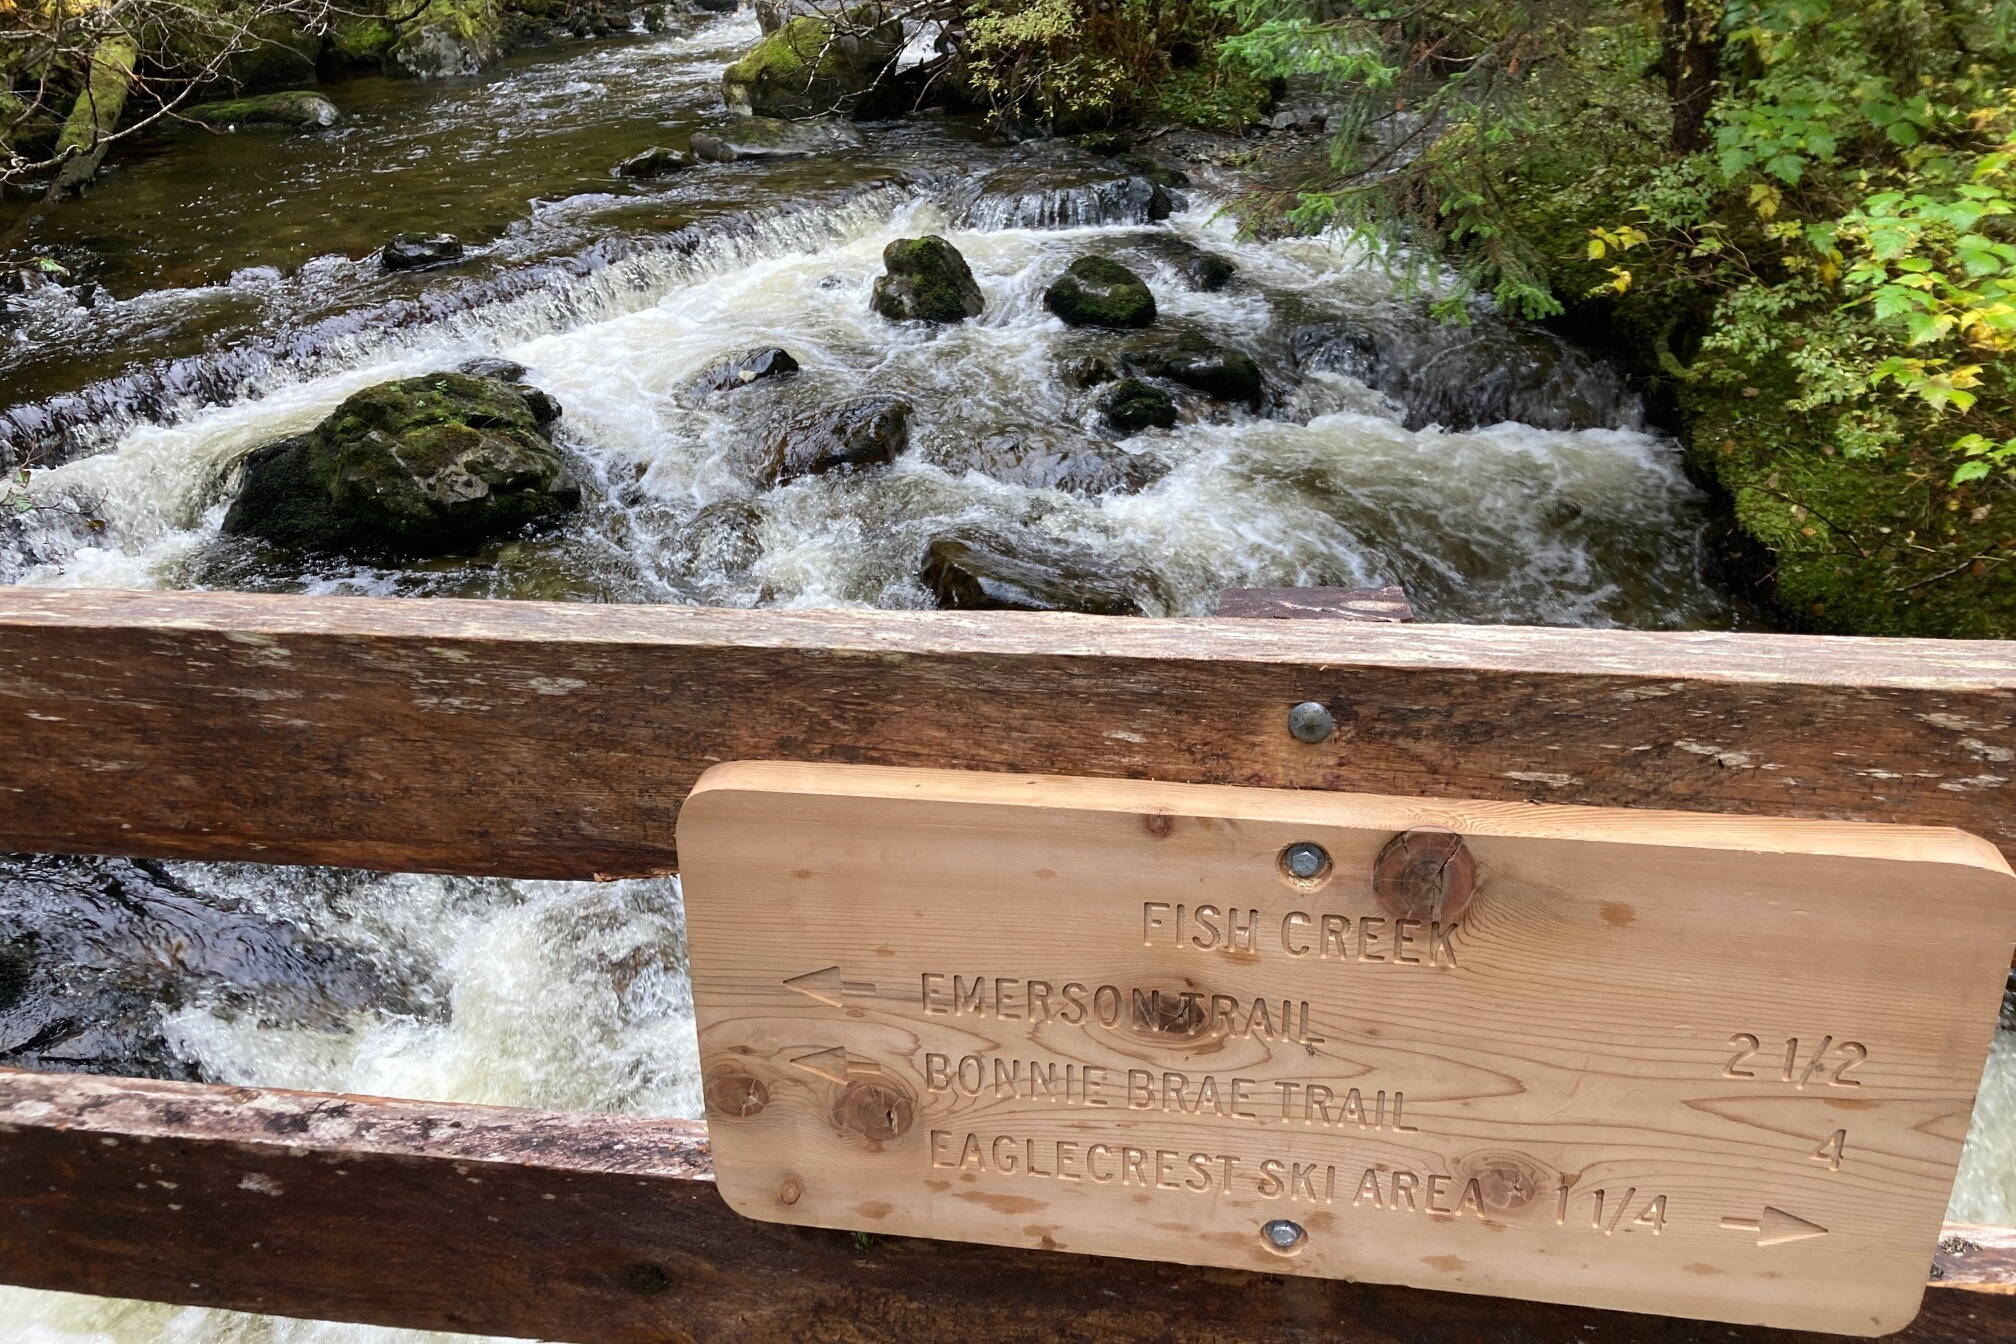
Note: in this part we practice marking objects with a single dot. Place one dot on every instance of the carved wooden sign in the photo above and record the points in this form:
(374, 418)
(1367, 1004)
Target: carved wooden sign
(1667, 1062)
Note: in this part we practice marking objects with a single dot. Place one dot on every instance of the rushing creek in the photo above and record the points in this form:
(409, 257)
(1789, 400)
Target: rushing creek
(242, 301)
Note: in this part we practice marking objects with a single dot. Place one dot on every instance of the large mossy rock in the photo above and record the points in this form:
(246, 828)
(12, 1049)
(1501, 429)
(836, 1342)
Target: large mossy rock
(812, 66)
(448, 38)
(1100, 292)
(418, 467)
(926, 280)
(296, 109)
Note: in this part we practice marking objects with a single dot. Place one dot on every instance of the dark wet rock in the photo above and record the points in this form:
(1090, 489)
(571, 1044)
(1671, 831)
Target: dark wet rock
(723, 540)
(1196, 267)
(1056, 185)
(816, 65)
(545, 410)
(1100, 292)
(1040, 460)
(1462, 376)
(1156, 171)
(494, 366)
(1131, 406)
(658, 161)
(1209, 272)
(657, 18)
(93, 952)
(418, 251)
(297, 109)
(418, 467)
(775, 138)
(864, 432)
(748, 366)
(1193, 360)
(925, 280)
(774, 14)
(717, 6)
(972, 570)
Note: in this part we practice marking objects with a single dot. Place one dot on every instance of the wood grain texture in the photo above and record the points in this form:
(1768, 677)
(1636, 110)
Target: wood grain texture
(554, 740)
(1387, 604)
(608, 1230)
(1676, 1063)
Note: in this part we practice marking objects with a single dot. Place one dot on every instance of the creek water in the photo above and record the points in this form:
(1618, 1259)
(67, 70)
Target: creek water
(242, 301)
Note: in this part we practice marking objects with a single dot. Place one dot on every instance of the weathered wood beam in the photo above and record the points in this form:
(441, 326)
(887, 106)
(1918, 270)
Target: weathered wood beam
(556, 740)
(1388, 604)
(608, 1230)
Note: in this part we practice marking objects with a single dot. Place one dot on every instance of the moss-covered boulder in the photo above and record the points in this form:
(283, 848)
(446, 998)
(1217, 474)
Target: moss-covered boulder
(423, 466)
(1877, 545)
(295, 109)
(359, 41)
(1100, 292)
(812, 66)
(449, 37)
(926, 280)
(1130, 406)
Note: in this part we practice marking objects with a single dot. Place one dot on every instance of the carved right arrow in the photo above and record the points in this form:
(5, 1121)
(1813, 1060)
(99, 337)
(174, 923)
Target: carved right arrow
(829, 987)
(835, 1065)
(1776, 1227)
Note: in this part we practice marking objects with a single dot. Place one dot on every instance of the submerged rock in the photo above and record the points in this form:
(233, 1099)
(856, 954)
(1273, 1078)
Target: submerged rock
(418, 467)
(658, 161)
(418, 251)
(926, 280)
(1195, 361)
(1100, 292)
(1461, 376)
(748, 366)
(815, 65)
(297, 109)
(864, 432)
(1131, 406)
(775, 138)
(93, 953)
(1056, 185)
(1047, 460)
(969, 570)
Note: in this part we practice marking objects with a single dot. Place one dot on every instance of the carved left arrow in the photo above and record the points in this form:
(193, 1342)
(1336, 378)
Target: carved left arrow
(829, 987)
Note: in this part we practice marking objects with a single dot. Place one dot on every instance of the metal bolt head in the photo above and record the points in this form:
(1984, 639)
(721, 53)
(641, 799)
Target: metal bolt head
(1304, 861)
(1283, 1234)
(1311, 721)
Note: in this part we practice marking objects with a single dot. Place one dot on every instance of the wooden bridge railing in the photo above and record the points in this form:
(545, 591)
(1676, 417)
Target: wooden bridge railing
(557, 741)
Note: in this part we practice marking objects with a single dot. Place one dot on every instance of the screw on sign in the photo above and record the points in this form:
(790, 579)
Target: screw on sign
(1486, 1047)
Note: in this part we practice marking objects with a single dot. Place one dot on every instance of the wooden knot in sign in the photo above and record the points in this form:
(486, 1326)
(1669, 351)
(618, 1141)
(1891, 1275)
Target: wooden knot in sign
(1427, 875)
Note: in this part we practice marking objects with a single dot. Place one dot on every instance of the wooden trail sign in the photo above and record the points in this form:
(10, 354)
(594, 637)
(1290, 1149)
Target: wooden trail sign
(1665, 1062)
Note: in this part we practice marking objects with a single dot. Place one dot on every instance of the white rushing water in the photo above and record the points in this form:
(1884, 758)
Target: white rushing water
(564, 995)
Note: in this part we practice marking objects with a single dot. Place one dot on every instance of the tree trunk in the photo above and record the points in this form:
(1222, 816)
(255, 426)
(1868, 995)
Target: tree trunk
(95, 114)
(1691, 37)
